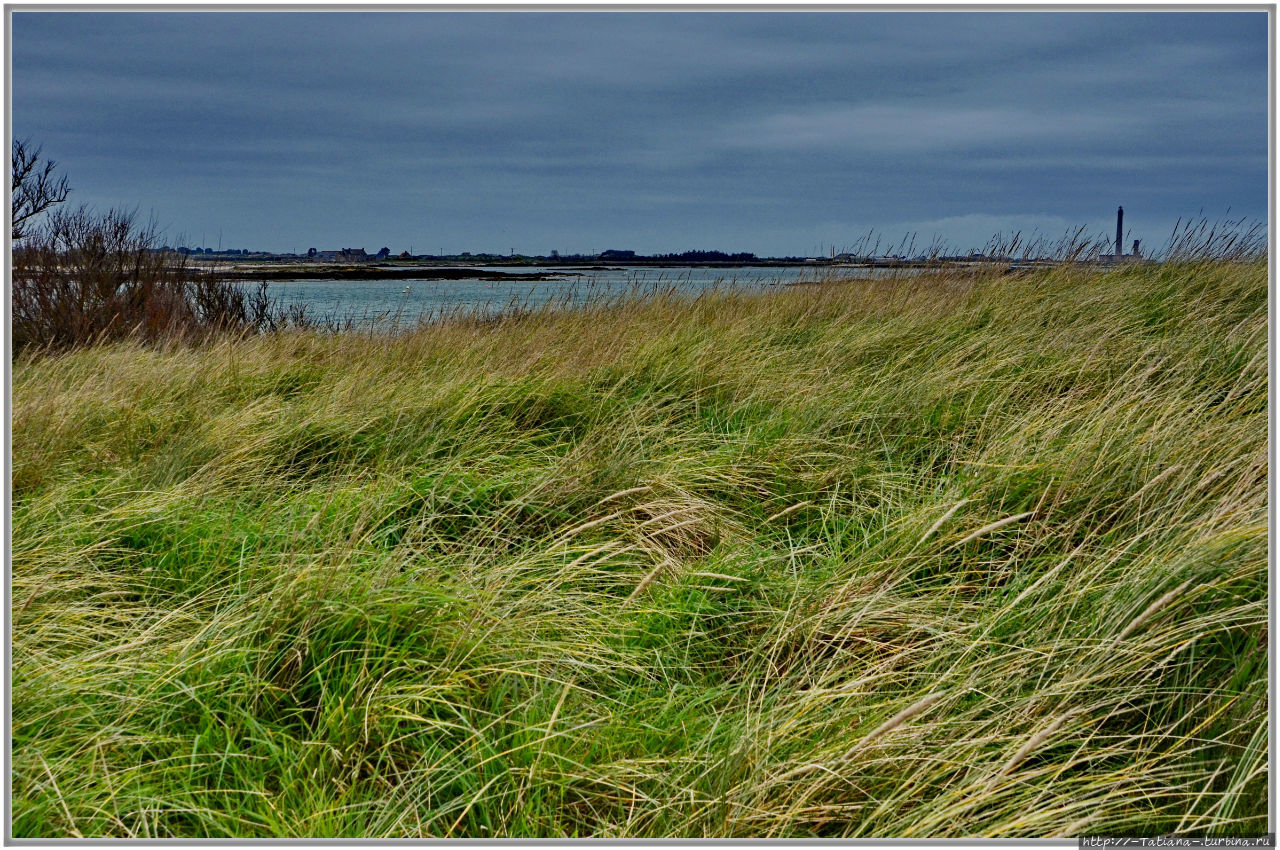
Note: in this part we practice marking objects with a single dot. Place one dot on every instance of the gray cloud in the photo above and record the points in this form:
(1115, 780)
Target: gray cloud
(744, 131)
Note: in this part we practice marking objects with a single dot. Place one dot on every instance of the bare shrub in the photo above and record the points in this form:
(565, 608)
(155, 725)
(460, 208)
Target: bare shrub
(84, 277)
(34, 187)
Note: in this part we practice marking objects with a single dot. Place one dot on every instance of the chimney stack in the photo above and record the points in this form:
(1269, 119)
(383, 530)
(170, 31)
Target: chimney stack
(1119, 232)
(1135, 247)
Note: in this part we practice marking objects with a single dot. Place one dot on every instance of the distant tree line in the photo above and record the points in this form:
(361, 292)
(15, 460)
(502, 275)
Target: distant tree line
(228, 251)
(687, 256)
(711, 257)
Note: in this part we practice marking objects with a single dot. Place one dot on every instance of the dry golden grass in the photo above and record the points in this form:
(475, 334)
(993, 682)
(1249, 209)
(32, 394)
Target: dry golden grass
(933, 557)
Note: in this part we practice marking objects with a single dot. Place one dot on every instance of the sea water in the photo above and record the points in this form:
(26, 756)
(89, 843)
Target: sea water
(406, 301)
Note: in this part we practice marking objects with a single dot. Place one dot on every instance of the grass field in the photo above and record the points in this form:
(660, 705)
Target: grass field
(929, 558)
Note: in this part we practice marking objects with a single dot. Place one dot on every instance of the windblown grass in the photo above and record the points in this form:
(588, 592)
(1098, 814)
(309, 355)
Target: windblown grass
(939, 557)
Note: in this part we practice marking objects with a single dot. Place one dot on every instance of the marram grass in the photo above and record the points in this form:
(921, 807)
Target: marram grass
(926, 558)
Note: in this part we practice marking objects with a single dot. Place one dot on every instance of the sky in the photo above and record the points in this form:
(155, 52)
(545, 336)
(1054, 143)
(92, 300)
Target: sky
(782, 134)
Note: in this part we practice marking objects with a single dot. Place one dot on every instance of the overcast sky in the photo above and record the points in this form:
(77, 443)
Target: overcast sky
(779, 134)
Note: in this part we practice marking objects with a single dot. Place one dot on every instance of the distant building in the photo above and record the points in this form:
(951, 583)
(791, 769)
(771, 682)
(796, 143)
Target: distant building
(346, 255)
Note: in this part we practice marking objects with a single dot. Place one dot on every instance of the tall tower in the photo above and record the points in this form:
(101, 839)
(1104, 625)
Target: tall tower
(1119, 232)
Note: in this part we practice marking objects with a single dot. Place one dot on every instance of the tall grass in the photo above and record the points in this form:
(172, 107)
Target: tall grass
(938, 557)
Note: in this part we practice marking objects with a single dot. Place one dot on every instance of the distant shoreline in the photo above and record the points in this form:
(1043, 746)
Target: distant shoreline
(318, 271)
(362, 273)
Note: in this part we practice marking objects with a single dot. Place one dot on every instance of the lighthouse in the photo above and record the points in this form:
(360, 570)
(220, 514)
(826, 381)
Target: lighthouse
(1120, 255)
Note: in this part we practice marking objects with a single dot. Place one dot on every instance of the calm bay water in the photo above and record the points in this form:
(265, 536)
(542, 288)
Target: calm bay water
(405, 301)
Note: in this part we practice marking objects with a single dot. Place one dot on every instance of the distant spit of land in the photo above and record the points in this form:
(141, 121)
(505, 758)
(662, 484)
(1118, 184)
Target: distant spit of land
(372, 272)
(286, 267)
